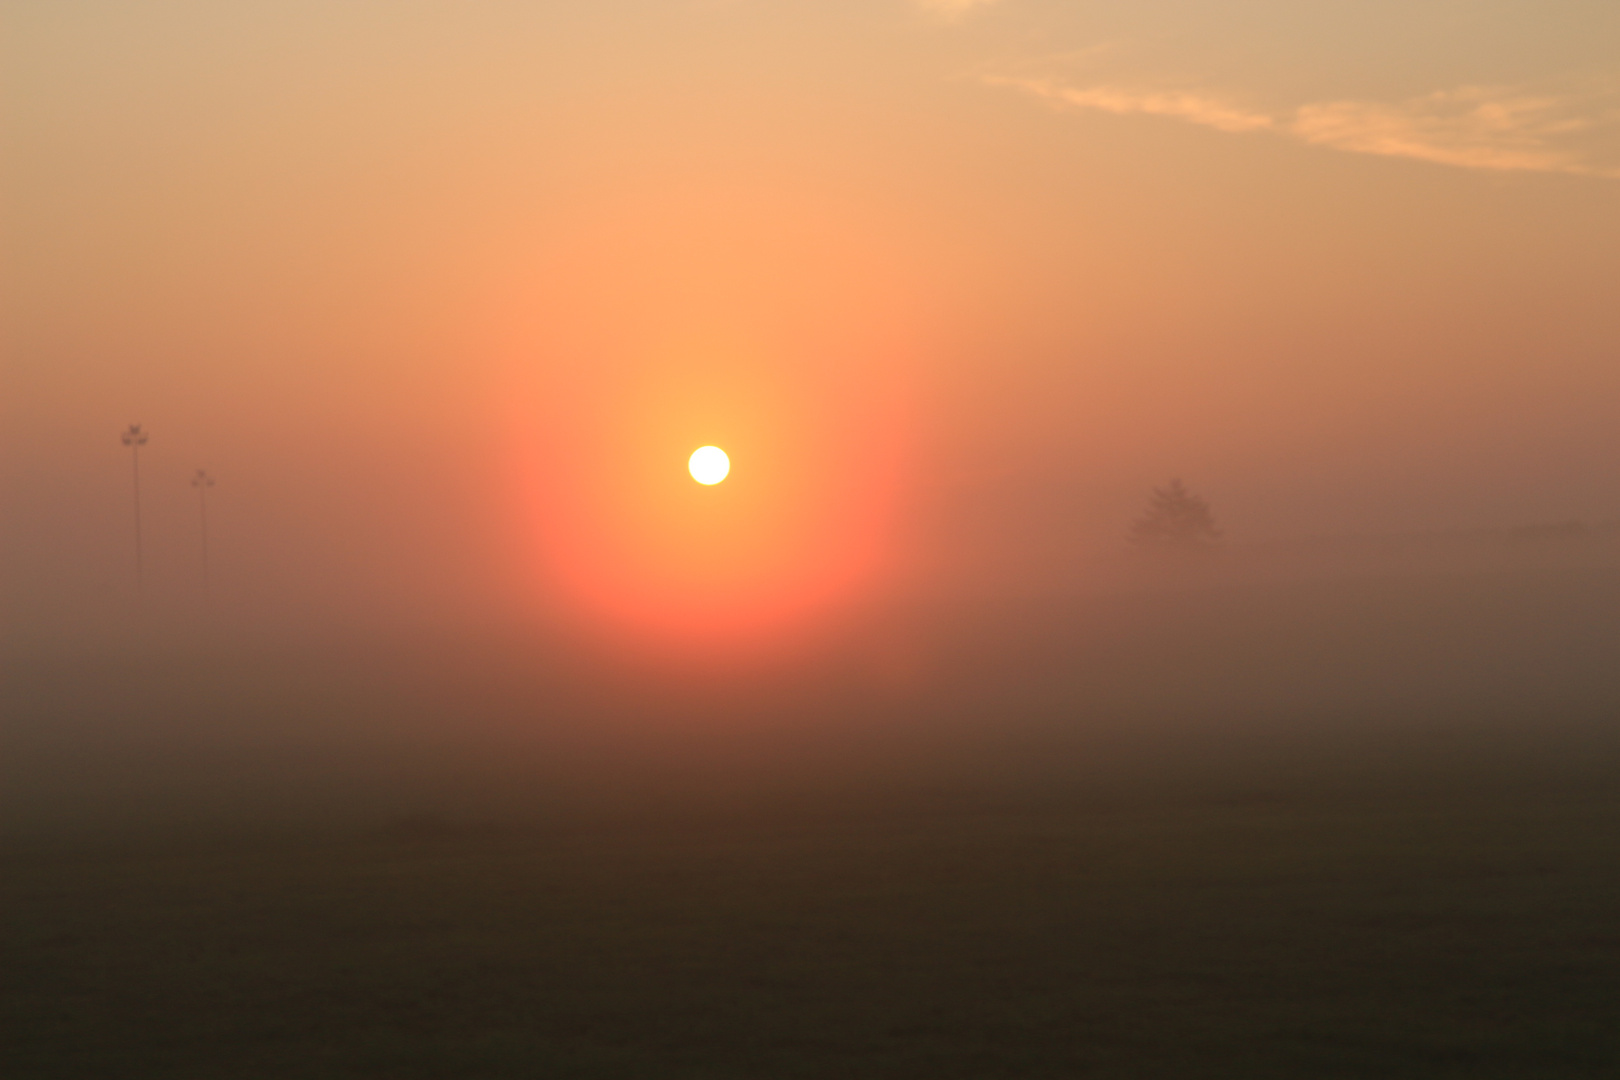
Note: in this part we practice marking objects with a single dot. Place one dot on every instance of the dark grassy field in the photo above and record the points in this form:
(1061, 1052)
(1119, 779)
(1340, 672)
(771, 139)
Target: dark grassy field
(1344, 830)
(1262, 936)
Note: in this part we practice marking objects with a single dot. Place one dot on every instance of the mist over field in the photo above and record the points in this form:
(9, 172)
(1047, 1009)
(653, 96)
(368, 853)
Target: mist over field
(1264, 824)
(1274, 671)
(1161, 618)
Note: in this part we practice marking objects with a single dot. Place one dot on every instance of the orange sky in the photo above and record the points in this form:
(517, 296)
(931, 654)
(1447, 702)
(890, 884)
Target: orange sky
(445, 293)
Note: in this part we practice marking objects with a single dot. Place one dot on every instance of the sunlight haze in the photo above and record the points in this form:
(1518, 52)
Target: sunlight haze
(1346, 268)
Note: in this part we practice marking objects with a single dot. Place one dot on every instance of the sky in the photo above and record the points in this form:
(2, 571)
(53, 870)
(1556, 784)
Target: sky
(443, 294)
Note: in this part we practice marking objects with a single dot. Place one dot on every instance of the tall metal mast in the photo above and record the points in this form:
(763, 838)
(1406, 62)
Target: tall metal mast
(202, 482)
(135, 438)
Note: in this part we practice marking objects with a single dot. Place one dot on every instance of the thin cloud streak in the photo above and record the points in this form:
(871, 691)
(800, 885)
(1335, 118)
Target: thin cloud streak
(1472, 127)
(952, 9)
(1493, 128)
(1194, 108)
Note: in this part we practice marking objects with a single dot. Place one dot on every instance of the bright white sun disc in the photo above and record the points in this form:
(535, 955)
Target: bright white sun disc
(708, 465)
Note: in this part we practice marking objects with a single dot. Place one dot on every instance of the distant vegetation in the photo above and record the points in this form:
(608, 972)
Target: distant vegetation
(1175, 519)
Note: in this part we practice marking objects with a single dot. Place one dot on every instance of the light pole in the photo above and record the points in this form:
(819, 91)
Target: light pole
(135, 438)
(202, 482)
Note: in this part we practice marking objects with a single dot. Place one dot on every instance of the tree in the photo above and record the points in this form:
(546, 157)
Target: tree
(1176, 519)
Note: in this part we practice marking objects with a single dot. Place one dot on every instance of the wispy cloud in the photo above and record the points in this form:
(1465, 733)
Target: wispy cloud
(1472, 127)
(1196, 108)
(952, 9)
(1476, 127)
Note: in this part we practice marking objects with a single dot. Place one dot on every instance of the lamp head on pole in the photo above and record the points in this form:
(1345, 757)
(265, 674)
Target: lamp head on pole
(135, 436)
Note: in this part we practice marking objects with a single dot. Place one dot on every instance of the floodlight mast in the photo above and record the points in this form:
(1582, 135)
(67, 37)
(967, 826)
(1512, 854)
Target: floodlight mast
(202, 482)
(135, 438)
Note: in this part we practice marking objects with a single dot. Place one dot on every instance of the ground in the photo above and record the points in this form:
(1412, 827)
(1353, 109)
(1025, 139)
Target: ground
(1255, 934)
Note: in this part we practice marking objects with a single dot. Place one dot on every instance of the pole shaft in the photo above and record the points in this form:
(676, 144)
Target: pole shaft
(140, 575)
(202, 499)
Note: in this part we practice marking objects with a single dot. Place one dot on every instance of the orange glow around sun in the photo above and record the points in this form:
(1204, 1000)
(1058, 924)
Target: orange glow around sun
(626, 537)
(803, 389)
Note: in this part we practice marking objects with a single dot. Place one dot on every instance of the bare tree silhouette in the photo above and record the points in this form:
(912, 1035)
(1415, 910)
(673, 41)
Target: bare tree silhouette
(1175, 519)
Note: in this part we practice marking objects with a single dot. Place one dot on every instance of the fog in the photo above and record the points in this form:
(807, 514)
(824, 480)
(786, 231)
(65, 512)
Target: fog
(1407, 668)
(1162, 617)
(442, 302)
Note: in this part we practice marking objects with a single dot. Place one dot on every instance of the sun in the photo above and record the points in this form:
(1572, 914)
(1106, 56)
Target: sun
(708, 465)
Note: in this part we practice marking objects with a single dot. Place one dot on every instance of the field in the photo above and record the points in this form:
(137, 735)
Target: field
(1245, 938)
(1425, 891)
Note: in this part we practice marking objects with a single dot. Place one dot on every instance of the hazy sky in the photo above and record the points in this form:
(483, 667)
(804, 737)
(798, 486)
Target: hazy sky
(444, 293)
